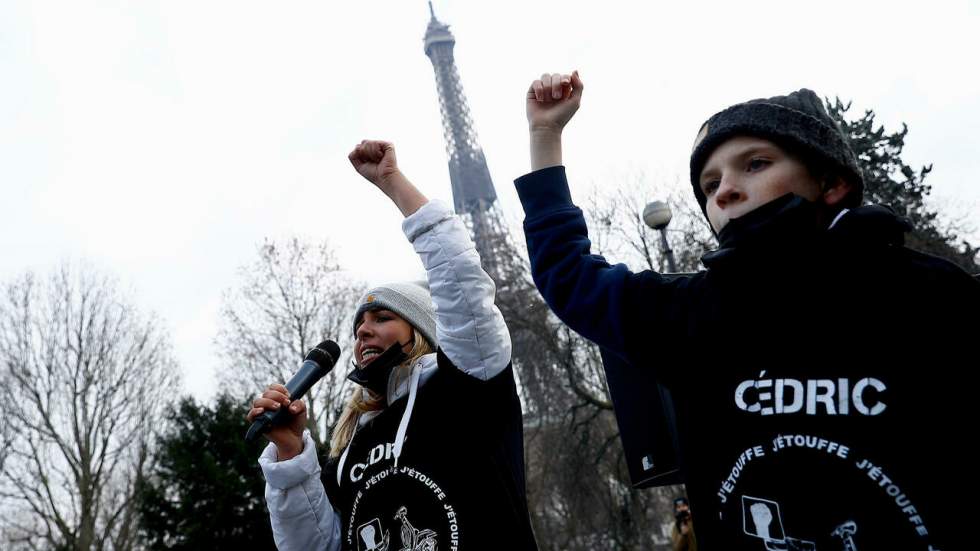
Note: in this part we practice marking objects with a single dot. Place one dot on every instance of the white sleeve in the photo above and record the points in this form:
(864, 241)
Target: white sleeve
(470, 329)
(302, 517)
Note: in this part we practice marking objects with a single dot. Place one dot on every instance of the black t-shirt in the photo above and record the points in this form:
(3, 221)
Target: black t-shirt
(459, 482)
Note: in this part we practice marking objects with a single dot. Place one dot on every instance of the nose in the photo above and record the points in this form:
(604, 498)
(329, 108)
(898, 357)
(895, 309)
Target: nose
(363, 330)
(728, 192)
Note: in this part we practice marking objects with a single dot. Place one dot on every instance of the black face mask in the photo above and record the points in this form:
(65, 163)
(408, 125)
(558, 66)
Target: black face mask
(375, 376)
(786, 217)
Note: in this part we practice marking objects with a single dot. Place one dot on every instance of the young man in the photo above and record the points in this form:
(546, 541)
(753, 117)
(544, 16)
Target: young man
(818, 367)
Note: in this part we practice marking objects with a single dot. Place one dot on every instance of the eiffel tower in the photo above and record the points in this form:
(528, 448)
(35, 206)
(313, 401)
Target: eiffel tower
(542, 354)
(475, 200)
(474, 197)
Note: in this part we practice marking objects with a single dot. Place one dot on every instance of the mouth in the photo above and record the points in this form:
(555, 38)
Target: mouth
(368, 354)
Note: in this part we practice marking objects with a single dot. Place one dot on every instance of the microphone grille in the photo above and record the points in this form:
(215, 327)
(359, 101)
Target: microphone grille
(326, 353)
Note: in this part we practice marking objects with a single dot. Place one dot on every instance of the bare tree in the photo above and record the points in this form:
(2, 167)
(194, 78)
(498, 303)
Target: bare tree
(88, 376)
(578, 482)
(6, 433)
(293, 296)
(618, 231)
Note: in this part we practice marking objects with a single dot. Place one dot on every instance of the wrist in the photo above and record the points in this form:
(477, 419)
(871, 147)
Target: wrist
(289, 448)
(404, 194)
(545, 148)
(389, 183)
(544, 132)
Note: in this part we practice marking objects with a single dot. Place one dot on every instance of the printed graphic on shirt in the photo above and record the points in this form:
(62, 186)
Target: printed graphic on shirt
(370, 536)
(846, 533)
(402, 509)
(761, 519)
(804, 483)
(840, 396)
(415, 540)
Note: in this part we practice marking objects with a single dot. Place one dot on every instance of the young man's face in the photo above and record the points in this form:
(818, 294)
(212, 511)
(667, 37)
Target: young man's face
(745, 172)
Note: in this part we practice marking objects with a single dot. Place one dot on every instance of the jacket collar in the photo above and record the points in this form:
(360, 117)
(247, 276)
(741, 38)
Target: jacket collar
(790, 225)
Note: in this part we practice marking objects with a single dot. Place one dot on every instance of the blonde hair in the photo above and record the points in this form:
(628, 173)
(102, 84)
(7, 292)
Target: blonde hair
(357, 404)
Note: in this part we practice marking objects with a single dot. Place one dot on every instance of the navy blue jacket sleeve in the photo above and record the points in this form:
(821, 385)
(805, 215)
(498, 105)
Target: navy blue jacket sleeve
(607, 304)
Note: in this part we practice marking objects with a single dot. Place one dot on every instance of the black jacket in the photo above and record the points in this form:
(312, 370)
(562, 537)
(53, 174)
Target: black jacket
(460, 479)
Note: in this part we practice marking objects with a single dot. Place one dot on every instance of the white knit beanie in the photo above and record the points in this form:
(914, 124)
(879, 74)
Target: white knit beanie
(409, 299)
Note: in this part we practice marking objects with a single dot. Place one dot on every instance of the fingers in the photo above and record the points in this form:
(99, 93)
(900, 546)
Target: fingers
(272, 399)
(546, 85)
(371, 151)
(261, 405)
(278, 393)
(556, 83)
(297, 407)
(555, 87)
(536, 91)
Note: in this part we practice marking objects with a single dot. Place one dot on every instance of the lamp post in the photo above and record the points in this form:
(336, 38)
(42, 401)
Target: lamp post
(657, 215)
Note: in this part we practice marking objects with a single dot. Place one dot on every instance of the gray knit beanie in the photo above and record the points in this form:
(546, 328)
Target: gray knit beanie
(798, 122)
(409, 299)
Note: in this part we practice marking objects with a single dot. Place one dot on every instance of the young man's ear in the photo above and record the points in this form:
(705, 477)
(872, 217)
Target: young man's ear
(835, 190)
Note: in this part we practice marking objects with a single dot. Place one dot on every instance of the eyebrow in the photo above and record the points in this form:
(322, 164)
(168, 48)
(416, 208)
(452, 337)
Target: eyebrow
(755, 148)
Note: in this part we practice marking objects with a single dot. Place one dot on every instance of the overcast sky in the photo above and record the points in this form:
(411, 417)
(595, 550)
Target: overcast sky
(161, 141)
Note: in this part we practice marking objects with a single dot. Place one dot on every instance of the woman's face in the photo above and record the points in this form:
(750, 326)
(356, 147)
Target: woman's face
(379, 329)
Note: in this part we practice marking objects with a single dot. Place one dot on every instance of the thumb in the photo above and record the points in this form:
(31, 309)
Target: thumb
(388, 152)
(577, 85)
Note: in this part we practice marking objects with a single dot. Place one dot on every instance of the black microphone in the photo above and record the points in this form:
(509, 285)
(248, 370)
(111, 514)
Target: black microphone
(318, 362)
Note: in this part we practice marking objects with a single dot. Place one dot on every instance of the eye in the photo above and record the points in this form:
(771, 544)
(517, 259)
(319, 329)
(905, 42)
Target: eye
(710, 186)
(757, 164)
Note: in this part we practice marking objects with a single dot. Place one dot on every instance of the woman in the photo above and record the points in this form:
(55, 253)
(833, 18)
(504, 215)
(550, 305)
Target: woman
(428, 453)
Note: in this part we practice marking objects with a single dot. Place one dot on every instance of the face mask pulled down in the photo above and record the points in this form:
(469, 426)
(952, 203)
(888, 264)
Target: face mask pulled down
(375, 376)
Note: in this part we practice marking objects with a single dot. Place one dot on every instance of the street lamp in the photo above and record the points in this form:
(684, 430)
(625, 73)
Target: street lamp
(657, 215)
